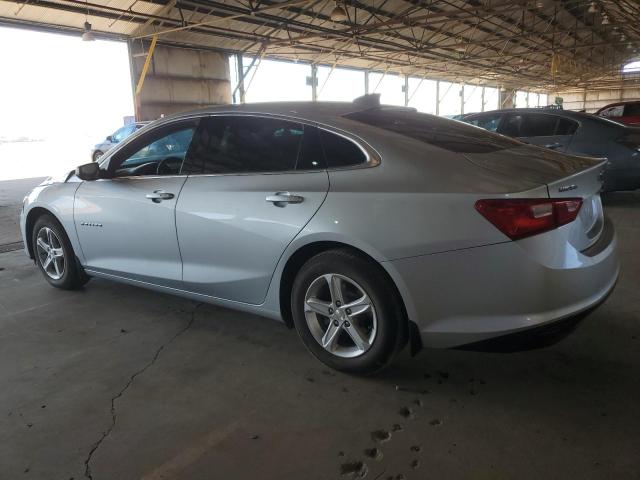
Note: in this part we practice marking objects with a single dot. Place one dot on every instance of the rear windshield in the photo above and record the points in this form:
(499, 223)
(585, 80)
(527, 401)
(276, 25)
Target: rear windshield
(448, 134)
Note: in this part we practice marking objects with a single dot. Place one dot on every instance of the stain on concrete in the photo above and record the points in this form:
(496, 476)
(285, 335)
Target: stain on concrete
(380, 436)
(357, 469)
(406, 412)
(374, 453)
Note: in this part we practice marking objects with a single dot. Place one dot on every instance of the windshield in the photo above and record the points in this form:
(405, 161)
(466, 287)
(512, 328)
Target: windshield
(448, 134)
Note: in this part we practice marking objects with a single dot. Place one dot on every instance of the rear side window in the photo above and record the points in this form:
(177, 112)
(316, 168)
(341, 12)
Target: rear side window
(538, 125)
(512, 126)
(566, 127)
(632, 110)
(440, 132)
(246, 144)
(339, 151)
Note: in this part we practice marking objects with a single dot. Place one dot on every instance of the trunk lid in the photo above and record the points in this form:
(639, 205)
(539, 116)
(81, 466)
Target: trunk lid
(535, 164)
(566, 176)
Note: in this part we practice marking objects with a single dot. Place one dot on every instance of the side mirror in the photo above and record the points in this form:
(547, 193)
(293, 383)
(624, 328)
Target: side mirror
(88, 171)
(110, 139)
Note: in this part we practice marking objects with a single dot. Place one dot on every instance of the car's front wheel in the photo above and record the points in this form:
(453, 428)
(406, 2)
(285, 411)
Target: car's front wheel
(54, 255)
(347, 312)
(96, 155)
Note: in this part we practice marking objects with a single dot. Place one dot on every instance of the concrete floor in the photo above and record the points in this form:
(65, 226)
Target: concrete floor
(115, 382)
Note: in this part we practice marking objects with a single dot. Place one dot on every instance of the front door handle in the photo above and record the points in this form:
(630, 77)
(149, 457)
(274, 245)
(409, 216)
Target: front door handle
(281, 199)
(159, 195)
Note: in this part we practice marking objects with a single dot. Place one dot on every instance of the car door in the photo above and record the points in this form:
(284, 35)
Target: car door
(126, 221)
(255, 183)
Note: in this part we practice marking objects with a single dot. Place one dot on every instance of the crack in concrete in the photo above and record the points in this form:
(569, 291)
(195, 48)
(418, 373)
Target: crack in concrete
(105, 434)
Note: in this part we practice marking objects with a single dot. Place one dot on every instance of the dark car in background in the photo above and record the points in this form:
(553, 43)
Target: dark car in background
(572, 132)
(624, 112)
(115, 138)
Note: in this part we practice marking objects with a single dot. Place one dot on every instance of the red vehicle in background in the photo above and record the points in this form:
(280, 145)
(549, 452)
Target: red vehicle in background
(623, 112)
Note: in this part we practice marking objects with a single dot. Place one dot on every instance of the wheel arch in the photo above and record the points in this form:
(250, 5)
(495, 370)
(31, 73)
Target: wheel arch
(32, 217)
(305, 252)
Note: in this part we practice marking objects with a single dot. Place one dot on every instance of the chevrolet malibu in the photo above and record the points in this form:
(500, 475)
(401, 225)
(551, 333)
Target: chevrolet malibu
(363, 226)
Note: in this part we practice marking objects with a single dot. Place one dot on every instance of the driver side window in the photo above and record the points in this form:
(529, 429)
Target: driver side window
(613, 112)
(161, 152)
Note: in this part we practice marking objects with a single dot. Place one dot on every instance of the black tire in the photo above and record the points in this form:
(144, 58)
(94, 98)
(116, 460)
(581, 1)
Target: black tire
(96, 155)
(390, 336)
(72, 276)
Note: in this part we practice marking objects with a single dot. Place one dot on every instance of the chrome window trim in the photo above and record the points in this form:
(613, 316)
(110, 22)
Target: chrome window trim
(139, 177)
(373, 158)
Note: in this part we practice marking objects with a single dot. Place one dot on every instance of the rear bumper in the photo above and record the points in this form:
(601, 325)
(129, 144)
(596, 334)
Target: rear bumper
(535, 337)
(469, 296)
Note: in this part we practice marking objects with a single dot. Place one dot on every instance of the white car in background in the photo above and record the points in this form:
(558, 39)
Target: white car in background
(115, 138)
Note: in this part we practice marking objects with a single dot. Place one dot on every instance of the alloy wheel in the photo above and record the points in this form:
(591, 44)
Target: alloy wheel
(50, 253)
(340, 315)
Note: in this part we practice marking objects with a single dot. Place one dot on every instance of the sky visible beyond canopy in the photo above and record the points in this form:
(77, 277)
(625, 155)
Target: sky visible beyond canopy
(54, 86)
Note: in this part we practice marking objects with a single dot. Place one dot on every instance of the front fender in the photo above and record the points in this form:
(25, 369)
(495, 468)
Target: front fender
(58, 200)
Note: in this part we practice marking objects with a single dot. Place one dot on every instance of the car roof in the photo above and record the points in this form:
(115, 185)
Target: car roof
(311, 111)
(626, 102)
(578, 116)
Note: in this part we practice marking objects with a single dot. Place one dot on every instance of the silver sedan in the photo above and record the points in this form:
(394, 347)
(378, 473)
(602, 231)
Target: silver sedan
(364, 227)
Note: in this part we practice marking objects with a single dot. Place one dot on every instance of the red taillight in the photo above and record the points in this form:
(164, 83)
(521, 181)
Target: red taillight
(523, 217)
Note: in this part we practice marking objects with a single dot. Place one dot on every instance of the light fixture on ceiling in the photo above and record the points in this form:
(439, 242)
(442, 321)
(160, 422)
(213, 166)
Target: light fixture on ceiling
(605, 20)
(540, 4)
(87, 35)
(338, 14)
(593, 8)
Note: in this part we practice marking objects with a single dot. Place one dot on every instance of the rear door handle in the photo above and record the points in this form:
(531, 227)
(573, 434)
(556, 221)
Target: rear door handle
(159, 195)
(554, 146)
(280, 199)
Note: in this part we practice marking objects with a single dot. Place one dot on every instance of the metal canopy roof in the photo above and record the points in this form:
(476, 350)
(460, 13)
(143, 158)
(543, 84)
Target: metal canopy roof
(539, 44)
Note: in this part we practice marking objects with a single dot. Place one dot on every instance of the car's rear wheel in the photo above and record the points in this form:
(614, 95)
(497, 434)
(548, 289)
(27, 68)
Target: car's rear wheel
(55, 256)
(347, 312)
(96, 155)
